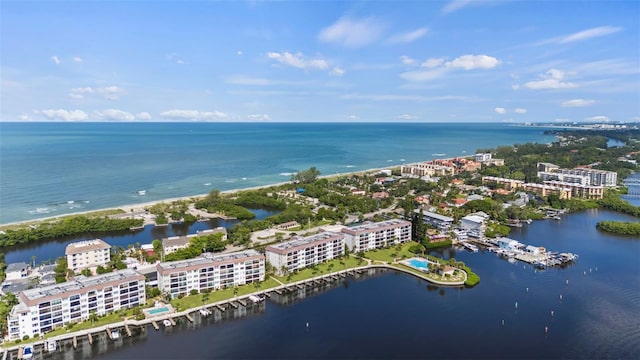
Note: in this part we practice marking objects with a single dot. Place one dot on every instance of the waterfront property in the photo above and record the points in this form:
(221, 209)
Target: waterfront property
(17, 271)
(377, 235)
(441, 222)
(302, 252)
(41, 310)
(210, 272)
(87, 254)
(174, 243)
(579, 190)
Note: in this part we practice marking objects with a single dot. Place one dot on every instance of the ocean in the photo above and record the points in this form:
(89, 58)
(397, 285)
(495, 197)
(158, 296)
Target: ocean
(51, 169)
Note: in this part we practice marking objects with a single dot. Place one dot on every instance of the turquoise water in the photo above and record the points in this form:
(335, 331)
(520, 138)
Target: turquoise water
(158, 310)
(419, 264)
(49, 169)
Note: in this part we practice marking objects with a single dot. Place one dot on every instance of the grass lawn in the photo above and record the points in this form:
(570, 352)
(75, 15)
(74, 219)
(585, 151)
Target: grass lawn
(459, 276)
(388, 254)
(193, 301)
(321, 269)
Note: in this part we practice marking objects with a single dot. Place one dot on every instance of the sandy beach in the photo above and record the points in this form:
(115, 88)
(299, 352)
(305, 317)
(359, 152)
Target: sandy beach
(140, 207)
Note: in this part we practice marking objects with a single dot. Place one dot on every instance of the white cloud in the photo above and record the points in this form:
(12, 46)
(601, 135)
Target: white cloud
(407, 60)
(108, 92)
(433, 62)
(582, 35)
(24, 117)
(409, 36)
(394, 97)
(406, 117)
(240, 52)
(143, 116)
(77, 59)
(114, 115)
(298, 61)
(577, 103)
(193, 115)
(470, 62)
(62, 114)
(455, 5)
(352, 33)
(336, 71)
(55, 59)
(520, 111)
(259, 117)
(552, 79)
(500, 110)
(599, 118)
(438, 67)
(515, 87)
(353, 117)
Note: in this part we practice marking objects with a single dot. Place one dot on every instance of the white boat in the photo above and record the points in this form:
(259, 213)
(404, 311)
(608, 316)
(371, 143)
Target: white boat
(51, 345)
(205, 312)
(166, 323)
(256, 298)
(115, 335)
(27, 352)
(142, 192)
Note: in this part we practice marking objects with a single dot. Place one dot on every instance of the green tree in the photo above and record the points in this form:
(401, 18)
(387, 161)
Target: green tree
(306, 176)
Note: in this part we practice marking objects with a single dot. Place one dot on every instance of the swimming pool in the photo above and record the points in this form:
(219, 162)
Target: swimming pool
(419, 264)
(158, 310)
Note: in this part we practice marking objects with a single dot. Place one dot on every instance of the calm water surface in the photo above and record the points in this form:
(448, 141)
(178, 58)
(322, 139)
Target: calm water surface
(393, 315)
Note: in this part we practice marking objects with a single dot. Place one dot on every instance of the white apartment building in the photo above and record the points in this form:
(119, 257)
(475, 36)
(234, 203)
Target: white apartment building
(377, 235)
(567, 178)
(597, 177)
(305, 251)
(87, 254)
(480, 157)
(441, 222)
(210, 271)
(41, 310)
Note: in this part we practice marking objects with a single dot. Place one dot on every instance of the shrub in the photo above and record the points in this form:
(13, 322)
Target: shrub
(25, 338)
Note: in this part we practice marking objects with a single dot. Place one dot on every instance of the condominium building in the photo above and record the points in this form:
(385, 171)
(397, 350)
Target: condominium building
(597, 177)
(567, 178)
(441, 222)
(509, 184)
(427, 169)
(210, 272)
(377, 235)
(305, 251)
(43, 309)
(546, 190)
(578, 190)
(87, 254)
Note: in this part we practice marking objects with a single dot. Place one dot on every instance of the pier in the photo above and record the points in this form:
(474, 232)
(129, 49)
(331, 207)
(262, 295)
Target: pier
(155, 325)
(90, 339)
(188, 317)
(126, 328)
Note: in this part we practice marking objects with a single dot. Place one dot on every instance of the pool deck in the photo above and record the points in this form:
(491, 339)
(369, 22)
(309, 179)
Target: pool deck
(148, 312)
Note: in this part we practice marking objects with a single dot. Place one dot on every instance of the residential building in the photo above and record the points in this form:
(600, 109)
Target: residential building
(288, 225)
(568, 178)
(485, 159)
(597, 177)
(87, 254)
(43, 309)
(509, 244)
(427, 169)
(480, 157)
(371, 236)
(301, 252)
(173, 243)
(210, 272)
(546, 190)
(474, 223)
(547, 167)
(578, 190)
(439, 221)
(17, 271)
(508, 184)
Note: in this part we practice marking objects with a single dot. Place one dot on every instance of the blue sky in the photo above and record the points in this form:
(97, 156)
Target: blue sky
(424, 61)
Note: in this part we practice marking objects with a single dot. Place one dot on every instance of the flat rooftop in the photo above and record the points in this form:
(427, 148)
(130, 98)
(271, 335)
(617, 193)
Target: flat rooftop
(79, 283)
(85, 246)
(435, 215)
(378, 225)
(305, 241)
(209, 258)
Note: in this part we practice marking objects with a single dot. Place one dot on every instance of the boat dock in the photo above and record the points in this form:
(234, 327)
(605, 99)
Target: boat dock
(470, 247)
(188, 317)
(155, 325)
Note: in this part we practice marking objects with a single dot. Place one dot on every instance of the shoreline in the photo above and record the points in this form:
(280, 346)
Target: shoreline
(132, 208)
